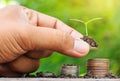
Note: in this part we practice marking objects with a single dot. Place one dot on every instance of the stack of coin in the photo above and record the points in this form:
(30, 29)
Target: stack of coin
(98, 67)
(70, 70)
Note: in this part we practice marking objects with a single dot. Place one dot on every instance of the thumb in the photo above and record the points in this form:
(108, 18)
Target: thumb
(42, 38)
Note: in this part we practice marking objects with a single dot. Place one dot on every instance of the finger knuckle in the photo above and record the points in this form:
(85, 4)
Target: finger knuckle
(64, 38)
(66, 41)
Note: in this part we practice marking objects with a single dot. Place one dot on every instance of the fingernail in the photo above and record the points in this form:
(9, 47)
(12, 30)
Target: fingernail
(81, 46)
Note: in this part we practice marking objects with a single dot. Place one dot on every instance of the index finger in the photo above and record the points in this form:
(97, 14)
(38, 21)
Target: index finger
(48, 21)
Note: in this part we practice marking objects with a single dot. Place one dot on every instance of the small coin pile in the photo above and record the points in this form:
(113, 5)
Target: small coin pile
(68, 70)
(98, 68)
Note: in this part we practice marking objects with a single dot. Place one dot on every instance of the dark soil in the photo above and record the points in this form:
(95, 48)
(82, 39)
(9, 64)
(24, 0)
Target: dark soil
(90, 41)
(111, 75)
(29, 75)
(69, 65)
(46, 75)
(66, 76)
(41, 75)
(88, 75)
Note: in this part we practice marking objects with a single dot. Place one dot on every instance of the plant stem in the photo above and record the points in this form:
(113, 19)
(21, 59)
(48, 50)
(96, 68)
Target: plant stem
(86, 29)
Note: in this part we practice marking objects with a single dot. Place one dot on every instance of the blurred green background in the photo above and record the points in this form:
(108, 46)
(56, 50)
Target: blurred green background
(105, 31)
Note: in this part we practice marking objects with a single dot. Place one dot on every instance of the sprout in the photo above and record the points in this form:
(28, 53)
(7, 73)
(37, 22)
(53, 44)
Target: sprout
(86, 23)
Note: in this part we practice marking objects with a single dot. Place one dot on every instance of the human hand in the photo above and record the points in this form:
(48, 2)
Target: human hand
(26, 36)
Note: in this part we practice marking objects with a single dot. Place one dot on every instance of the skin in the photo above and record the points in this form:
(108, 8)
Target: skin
(26, 36)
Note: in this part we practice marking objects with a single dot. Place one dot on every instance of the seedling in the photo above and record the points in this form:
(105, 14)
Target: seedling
(86, 38)
(86, 23)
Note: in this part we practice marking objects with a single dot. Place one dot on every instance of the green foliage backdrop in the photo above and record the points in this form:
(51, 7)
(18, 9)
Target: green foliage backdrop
(105, 31)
